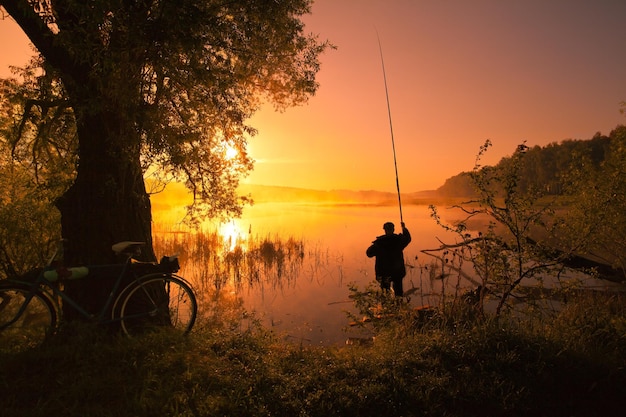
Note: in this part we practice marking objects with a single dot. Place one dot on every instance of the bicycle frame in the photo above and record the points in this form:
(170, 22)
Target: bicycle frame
(54, 293)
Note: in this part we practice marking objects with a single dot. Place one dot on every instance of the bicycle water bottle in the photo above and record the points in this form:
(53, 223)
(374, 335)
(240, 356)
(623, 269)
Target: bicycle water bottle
(53, 275)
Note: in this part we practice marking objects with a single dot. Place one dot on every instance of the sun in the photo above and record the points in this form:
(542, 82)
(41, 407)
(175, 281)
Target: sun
(230, 152)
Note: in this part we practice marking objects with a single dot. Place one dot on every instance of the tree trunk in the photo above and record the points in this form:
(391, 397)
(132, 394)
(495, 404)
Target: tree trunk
(93, 218)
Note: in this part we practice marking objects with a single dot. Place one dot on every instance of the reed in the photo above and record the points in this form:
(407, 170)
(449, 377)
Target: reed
(212, 261)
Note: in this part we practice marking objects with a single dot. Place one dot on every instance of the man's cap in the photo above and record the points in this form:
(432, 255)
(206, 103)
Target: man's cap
(389, 225)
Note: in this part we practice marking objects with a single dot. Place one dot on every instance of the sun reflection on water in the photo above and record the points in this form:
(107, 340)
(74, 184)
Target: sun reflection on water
(233, 235)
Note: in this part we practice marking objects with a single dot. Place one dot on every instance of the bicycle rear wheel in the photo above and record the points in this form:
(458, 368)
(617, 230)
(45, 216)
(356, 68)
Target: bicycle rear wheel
(157, 301)
(26, 318)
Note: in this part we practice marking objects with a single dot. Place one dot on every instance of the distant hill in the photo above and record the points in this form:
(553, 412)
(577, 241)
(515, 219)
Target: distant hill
(176, 196)
(277, 194)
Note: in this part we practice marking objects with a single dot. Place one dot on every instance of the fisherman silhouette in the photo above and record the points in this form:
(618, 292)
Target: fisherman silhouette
(387, 249)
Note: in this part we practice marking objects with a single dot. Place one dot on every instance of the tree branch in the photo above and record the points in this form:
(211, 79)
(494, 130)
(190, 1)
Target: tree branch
(43, 104)
(38, 31)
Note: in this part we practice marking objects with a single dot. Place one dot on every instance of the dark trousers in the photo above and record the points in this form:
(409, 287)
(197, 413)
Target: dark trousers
(387, 282)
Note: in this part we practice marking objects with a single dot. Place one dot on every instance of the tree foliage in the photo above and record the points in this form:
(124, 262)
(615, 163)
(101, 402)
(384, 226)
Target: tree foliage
(185, 75)
(29, 227)
(37, 163)
(530, 232)
(515, 246)
(598, 200)
(544, 167)
(164, 88)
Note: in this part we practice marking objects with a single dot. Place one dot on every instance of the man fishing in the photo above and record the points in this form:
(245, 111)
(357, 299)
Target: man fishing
(387, 249)
(389, 266)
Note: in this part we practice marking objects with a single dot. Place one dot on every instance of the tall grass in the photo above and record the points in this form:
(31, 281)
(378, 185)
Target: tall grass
(443, 366)
(212, 261)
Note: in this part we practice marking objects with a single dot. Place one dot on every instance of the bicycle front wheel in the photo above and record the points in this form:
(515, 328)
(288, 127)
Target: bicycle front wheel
(158, 301)
(27, 317)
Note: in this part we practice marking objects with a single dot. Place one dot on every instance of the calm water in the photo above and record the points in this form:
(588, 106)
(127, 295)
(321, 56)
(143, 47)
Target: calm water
(311, 307)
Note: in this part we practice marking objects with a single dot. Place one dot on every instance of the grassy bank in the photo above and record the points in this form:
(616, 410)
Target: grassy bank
(450, 364)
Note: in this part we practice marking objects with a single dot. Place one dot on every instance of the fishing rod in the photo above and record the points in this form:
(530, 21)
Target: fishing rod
(393, 144)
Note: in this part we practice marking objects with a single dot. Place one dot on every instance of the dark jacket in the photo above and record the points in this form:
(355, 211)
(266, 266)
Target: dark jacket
(388, 252)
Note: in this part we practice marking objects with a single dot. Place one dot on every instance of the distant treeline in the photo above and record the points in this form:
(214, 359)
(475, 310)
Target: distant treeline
(278, 194)
(544, 168)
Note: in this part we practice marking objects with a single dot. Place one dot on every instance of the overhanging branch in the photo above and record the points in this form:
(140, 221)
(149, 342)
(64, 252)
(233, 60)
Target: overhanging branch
(28, 106)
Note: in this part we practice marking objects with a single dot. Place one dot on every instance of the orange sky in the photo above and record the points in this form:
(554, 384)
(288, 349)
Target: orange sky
(458, 72)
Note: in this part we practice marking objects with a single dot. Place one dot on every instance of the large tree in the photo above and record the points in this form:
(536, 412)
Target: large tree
(167, 85)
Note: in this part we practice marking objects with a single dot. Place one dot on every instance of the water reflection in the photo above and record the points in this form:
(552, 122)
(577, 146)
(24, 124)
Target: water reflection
(292, 263)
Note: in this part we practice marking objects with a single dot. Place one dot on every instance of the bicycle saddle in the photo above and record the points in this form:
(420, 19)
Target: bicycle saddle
(126, 247)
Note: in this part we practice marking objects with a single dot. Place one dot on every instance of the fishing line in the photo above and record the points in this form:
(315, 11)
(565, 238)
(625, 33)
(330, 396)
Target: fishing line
(393, 144)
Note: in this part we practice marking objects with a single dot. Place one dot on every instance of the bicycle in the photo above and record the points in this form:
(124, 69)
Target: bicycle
(31, 309)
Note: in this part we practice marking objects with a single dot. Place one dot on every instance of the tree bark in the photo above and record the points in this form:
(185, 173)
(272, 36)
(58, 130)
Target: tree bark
(116, 209)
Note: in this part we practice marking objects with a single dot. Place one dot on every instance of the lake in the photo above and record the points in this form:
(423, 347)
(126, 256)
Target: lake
(308, 304)
(307, 301)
